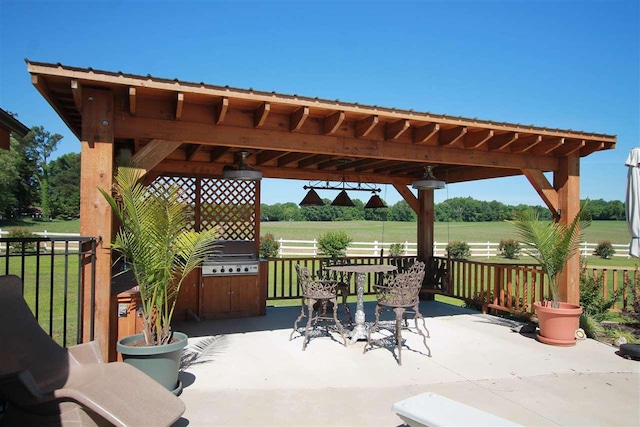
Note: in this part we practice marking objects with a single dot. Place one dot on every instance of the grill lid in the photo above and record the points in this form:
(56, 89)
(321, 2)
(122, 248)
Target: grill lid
(234, 251)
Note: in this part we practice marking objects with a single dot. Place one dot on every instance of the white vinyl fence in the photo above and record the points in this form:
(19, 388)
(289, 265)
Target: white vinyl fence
(478, 249)
(46, 246)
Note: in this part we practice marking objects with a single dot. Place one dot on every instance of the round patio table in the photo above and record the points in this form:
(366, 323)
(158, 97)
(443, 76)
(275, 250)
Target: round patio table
(359, 331)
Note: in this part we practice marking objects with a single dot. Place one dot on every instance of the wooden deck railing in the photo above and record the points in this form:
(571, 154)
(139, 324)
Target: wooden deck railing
(514, 288)
(283, 282)
(509, 288)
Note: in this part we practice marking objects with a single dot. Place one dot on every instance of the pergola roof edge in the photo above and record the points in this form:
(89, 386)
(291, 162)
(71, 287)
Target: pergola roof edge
(176, 85)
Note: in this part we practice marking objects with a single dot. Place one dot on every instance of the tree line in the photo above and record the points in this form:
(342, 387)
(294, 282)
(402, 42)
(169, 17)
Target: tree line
(32, 184)
(457, 209)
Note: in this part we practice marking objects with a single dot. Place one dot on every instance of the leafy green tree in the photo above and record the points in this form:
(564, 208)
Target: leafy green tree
(291, 212)
(320, 213)
(64, 177)
(9, 180)
(36, 148)
(355, 213)
(401, 211)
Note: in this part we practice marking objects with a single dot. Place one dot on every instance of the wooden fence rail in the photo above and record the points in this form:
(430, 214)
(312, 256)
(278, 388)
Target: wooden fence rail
(488, 286)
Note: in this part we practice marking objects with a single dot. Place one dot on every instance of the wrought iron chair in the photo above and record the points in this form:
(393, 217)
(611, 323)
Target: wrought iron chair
(318, 296)
(400, 293)
(343, 280)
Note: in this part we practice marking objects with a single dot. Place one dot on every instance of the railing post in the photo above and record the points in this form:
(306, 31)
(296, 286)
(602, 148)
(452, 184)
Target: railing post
(280, 247)
(315, 248)
(375, 248)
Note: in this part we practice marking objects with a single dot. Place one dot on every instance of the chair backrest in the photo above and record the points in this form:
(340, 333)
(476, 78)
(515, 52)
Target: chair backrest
(316, 289)
(403, 289)
(24, 345)
(340, 276)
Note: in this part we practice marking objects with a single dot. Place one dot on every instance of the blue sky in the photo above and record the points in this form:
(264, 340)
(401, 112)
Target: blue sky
(559, 64)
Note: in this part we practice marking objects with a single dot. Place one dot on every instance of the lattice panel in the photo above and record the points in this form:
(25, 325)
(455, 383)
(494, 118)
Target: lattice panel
(187, 187)
(229, 204)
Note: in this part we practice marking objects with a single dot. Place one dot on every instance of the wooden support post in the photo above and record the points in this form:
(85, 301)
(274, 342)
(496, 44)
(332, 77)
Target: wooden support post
(566, 181)
(425, 224)
(95, 213)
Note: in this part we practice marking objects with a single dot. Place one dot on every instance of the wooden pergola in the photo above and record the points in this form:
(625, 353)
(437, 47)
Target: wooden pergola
(176, 127)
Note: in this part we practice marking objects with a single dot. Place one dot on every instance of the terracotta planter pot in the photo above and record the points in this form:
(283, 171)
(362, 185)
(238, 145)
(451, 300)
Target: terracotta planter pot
(558, 325)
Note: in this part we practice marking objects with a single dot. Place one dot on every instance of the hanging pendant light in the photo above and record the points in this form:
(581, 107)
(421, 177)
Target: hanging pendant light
(343, 199)
(375, 202)
(242, 171)
(428, 181)
(311, 199)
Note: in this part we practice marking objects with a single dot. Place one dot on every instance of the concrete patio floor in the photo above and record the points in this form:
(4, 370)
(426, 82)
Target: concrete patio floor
(257, 377)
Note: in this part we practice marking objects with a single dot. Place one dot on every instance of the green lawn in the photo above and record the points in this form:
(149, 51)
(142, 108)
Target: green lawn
(390, 231)
(368, 231)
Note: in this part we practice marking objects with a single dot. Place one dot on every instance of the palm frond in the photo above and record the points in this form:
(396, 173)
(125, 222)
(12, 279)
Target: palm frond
(202, 351)
(551, 243)
(155, 239)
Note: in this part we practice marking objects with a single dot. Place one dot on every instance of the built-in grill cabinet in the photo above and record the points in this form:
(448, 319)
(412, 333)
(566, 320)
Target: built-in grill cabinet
(234, 282)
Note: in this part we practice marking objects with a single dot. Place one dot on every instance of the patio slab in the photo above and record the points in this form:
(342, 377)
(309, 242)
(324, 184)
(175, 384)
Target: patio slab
(257, 377)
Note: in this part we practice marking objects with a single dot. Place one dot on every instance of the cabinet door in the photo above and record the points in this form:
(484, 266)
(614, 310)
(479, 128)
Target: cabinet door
(245, 294)
(215, 296)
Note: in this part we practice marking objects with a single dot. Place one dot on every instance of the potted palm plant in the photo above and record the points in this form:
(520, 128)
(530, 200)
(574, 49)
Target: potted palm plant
(552, 244)
(160, 251)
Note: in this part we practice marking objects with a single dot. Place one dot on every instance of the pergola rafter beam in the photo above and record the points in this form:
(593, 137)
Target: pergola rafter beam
(500, 142)
(179, 105)
(221, 110)
(76, 90)
(473, 140)
(451, 136)
(297, 118)
(260, 114)
(395, 129)
(333, 122)
(132, 101)
(425, 134)
(365, 126)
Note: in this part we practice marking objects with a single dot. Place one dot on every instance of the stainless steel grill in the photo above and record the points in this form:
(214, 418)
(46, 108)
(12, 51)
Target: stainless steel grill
(235, 257)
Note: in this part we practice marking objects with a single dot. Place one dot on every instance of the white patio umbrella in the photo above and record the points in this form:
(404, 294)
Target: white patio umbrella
(632, 202)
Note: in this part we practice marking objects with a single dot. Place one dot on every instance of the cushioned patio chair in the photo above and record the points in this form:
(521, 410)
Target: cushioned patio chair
(44, 383)
(400, 293)
(318, 297)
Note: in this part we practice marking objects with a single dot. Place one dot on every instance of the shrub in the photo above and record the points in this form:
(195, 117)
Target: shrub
(458, 249)
(269, 248)
(509, 248)
(334, 243)
(396, 249)
(21, 233)
(604, 250)
(593, 302)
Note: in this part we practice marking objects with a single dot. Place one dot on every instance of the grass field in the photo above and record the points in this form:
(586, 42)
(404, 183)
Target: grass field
(368, 231)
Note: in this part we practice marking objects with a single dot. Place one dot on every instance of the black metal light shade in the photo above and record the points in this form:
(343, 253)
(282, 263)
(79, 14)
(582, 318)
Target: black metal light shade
(242, 171)
(375, 202)
(343, 199)
(428, 181)
(311, 199)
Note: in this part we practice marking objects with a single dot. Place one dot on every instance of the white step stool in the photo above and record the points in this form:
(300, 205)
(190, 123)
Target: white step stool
(432, 410)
